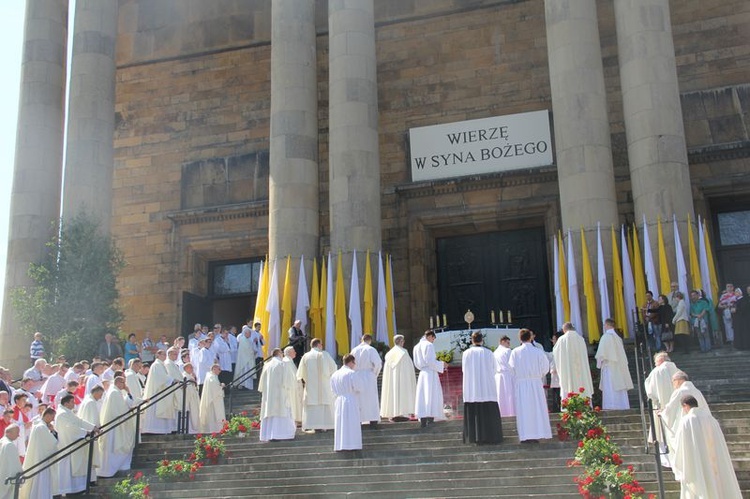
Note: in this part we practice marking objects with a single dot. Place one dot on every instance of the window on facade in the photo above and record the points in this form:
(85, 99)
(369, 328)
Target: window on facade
(734, 228)
(235, 278)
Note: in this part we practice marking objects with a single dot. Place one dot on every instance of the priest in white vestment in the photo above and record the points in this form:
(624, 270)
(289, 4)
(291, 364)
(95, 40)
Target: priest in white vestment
(702, 459)
(116, 446)
(10, 461)
(615, 377)
(42, 444)
(54, 384)
(659, 389)
(572, 363)
(174, 372)
(429, 401)
(90, 411)
(672, 412)
(158, 418)
(94, 379)
(289, 355)
(212, 414)
(505, 383)
(368, 364)
(193, 402)
(203, 362)
(399, 383)
(133, 380)
(346, 384)
(482, 423)
(277, 384)
(245, 358)
(529, 365)
(72, 469)
(315, 370)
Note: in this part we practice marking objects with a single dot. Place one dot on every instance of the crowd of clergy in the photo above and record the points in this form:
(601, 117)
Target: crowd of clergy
(57, 405)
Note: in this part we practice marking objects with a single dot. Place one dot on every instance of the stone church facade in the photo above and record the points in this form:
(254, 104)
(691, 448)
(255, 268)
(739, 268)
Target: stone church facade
(245, 128)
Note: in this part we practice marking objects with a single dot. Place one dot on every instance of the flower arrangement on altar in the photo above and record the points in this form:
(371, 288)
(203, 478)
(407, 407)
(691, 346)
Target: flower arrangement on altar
(445, 355)
(209, 447)
(178, 469)
(132, 487)
(462, 341)
(240, 424)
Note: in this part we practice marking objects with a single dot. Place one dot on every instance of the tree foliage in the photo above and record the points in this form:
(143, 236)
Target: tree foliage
(74, 299)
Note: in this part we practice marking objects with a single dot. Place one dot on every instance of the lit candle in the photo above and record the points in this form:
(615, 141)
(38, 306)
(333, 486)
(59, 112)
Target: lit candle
(501, 317)
(432, 326)
(445, 321)
(510, 321)
(492, 316)
(437, 320)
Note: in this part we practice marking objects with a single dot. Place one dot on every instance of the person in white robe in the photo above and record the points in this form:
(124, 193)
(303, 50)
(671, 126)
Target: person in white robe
(70, 389)
(70, 428)
(429, 400)
(256, 339)
(116, 446)
(193, 401)
(399, 383)
(158, 418)
(203, 361)
(245, 358)
(23, 419)
(277, 385)
(368, 364)
(315, 371)
(42, 444)
(505, 383)
(615, 377)
(212, 414)
(572, 363)
(529, 364)
(233, 347)
(94, 379)
(346, 384)
(672, 412)
(133, 380)
(289, 355)
(174, 372)
(659, 389)
(10, 461)
(54, 384)
(702, 459)
(482, 423)
(90, 411)
(224, 355)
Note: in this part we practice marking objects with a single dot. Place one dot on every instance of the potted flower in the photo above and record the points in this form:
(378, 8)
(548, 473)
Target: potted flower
(177, 469)
(578, 417)
(209, 448)
(132, 487)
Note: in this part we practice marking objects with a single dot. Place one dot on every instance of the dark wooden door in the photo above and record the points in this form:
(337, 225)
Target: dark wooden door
(195, 309)
(492, 271)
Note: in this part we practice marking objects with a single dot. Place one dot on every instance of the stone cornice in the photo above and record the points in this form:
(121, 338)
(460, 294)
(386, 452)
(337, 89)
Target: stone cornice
(719, 152)
(476, 182)
(219, 213)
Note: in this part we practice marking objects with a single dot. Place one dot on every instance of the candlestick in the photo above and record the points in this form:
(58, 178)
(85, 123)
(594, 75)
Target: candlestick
(432, 326)
(501, 316)
(510, 321)
(445, 321)
(492, 316)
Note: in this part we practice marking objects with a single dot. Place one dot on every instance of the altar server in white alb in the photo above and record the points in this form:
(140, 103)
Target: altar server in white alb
(346, 385)
(158, 418)
(702, 461)
(399, 383)
(505, 383)
(289, 355)
(482, 423)
(615, 376)
(42, 444)
(368, 365)
(659, 389)
(315, 370)
(212, 402)
(277, 384)
(429, 405)
(529, 365)
(10, 461)
(116, 446)
(192, 399)
(72, 469)
(245, 357)
(572, 363)
(90, 411)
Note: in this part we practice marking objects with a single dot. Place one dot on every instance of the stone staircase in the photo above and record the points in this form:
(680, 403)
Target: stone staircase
(400, 460)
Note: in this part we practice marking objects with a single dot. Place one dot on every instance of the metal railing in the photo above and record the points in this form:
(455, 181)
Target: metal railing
(92, 437)
(239, 380)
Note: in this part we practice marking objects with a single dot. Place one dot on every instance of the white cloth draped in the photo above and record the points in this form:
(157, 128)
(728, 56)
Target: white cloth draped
(429, 399)
(298, 390)
(505, 383)
(316, 369)
(368, 364)
(346, 384)
(529, 364)
(572, 364)
(478, 366)
(399, 384)
(212, 412)
(42, 444)
(615, 377)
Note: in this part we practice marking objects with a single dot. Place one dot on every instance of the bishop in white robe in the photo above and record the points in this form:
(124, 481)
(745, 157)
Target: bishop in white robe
(429, 400)
(346, 384)
(212, 414)
(158, 418)
(505, 383)
(116, 446)
(10, 461)
(72, 469)
(245, 358)
(289, 355)
(572, 363)
(482, 423)
(399, 383)
(315, 370)
(277, 384)
(615, 377)
(368, 364)
(42, 444)
(702, 459)
(529, 365)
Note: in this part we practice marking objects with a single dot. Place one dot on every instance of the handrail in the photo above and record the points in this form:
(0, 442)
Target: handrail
(237, 381)
(91, 438)
(641, 403)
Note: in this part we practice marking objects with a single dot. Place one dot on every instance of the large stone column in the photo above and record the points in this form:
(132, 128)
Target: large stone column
(653, 116)
(354, 161)
(293, 199)
(91, 116)
(579, 104)
(35, 198)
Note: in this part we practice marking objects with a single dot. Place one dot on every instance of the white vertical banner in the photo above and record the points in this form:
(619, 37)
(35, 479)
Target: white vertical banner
(381, 320)
(393, 301)
(648, 262)
(303, 296)
(330, 320)
(628, 282)
(682, 273)
(559, 309)
(355, 310)
(601, 275)
(273, 308)
(703, 256)
(575, 302)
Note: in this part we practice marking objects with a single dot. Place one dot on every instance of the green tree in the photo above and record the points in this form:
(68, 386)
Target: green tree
(74, 299)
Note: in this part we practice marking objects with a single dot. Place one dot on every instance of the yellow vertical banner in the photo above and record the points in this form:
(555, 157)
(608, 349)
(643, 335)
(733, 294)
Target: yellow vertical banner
(260, 298)
(339, 311)
(286, 301)
(592, 320)
(368, 298)
(621, 317)
(695, 269)
(639, 275)
(711, 265)
(664, 278)
(563, 277)
(315, 317)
